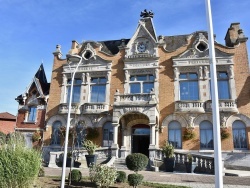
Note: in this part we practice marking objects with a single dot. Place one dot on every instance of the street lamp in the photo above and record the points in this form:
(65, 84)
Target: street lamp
(69, 59)
(215, 99)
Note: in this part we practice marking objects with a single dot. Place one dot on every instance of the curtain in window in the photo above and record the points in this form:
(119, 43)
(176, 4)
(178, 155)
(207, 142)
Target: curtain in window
(189, 90)
(32, 114)
(98, 93)
(239, 135)
(174, 134)
(206, 135)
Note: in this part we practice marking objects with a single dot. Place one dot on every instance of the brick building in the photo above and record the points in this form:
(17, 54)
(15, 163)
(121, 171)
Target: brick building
(141, 91)
(32, 106)
(7, 123)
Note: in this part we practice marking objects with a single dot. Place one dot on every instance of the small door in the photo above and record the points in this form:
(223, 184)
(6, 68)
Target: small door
(140, 140)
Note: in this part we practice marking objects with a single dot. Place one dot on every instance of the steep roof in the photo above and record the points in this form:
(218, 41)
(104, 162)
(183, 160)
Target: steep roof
(6, 115)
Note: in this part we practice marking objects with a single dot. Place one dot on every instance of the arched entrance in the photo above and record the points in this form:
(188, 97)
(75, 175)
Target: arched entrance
(140, 139)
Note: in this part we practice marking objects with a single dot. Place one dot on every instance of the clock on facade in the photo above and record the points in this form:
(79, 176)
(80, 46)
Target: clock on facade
(141, 47)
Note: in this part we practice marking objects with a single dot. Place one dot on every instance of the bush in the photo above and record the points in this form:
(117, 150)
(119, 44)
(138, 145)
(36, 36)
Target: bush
(168, 150)
(19, 165)
(76, 175)
(41, 172)
(188, 134)
(135, 179)
(2, 138)
(102, 175)
(121, 177)
(136, 161)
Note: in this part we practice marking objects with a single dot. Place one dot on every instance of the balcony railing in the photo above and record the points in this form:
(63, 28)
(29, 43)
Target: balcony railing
(143, 98)
(94, 107)
(224, 105)
(64, 108)
(189, 106)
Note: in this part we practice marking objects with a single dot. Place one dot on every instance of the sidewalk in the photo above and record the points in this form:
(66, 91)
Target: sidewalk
(191, 180)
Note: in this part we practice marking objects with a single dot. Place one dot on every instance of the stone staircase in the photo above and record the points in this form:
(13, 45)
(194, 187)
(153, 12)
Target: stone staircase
(120, 164)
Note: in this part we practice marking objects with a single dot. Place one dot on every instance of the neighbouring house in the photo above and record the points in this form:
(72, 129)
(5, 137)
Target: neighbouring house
(142, 91)
(7, 123)
(32, 106)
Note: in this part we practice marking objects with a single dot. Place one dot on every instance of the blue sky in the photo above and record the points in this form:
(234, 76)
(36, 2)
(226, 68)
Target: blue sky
(31, 29)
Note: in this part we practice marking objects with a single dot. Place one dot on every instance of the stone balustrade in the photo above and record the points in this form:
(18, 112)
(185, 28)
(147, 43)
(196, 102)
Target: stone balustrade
(205, 164)
(94, 107)
(148, 98)
(189, 106)
(64, 108)
(224, 105)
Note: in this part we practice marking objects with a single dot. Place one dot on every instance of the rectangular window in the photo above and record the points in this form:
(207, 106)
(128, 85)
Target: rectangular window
(141, 83)
(189, 89)
(98, 89)
(32, 114)
(76, 90)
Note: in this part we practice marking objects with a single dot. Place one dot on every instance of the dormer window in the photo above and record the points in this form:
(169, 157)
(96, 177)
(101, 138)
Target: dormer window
(201, 46)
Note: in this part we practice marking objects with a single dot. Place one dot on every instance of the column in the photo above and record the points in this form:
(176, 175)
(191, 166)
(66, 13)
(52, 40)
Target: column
(114, 146)
(157, 137)
(152, 136)
(124, 142)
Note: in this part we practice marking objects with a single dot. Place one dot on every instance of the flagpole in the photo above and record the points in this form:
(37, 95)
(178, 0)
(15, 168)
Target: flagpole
(215, 99)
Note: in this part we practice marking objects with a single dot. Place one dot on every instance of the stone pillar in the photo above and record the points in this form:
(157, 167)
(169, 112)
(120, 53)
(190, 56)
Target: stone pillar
(124, 143)
(157, 137)
(152, 136)
(114, 146)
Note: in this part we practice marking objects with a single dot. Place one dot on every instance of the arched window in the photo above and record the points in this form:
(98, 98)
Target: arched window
(56, 138)
(107, 134)
(80, 133)
(174, 134)
(206, 135)
(239, 135)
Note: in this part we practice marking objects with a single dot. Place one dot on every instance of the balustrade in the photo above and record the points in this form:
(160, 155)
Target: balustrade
(224, 105)
(64, 108)
(189, 106)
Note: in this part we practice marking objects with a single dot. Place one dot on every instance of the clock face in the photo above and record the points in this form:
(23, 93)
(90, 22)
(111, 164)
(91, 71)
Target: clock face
(141, 47)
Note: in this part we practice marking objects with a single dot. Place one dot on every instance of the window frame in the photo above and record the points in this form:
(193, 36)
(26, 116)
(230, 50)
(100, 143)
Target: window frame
(175, 126)
(75, 98)
(188, 79)
(149, 79)
(98, 83)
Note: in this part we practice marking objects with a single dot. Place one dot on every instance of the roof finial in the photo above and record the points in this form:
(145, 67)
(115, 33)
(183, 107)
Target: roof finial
(146, 14)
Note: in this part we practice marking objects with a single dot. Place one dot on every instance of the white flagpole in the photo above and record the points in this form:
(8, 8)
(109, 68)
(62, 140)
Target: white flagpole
(215, 99)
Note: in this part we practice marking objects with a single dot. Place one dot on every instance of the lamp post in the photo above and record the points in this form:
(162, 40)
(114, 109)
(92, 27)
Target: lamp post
(215, 99)
(69, 58)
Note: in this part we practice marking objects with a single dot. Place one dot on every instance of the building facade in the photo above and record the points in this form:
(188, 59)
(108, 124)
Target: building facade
(143, 91)
(32, 106)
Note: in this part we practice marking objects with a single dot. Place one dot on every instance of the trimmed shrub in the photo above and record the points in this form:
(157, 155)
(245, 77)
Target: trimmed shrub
(102, 175)
(121, 177)
(76, 175)
(19, 165)
(135, 179)
(136, 161)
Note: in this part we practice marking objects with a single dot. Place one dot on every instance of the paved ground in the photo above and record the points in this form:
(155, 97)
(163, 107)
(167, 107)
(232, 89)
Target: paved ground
(192, 180)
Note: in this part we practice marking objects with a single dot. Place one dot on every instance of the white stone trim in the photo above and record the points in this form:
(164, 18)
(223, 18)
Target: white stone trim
(240, 117)
(104, 120)
(174, 117)
(202, 117)
(56, 118)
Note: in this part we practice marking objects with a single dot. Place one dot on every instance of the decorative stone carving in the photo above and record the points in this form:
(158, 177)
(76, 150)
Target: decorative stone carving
(190, 120)
(223, 119)
(231, 72)
(176, 73)
(206, 72)
(200, 72)
(88, 52)
(126, 76)
(147, 14)
(83, 78)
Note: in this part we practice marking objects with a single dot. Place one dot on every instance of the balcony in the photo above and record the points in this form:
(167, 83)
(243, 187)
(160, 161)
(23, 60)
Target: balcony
(94, 107)
(224, 105)
(75, 108)
(135, 99)
(189, 106)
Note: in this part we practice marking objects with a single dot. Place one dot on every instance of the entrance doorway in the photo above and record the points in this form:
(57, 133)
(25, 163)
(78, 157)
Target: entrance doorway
(140, 139)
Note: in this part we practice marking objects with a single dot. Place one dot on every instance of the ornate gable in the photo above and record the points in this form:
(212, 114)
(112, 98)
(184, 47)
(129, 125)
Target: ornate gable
(143, 44)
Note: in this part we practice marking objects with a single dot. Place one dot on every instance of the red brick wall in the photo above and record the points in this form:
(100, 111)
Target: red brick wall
(7, 126)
